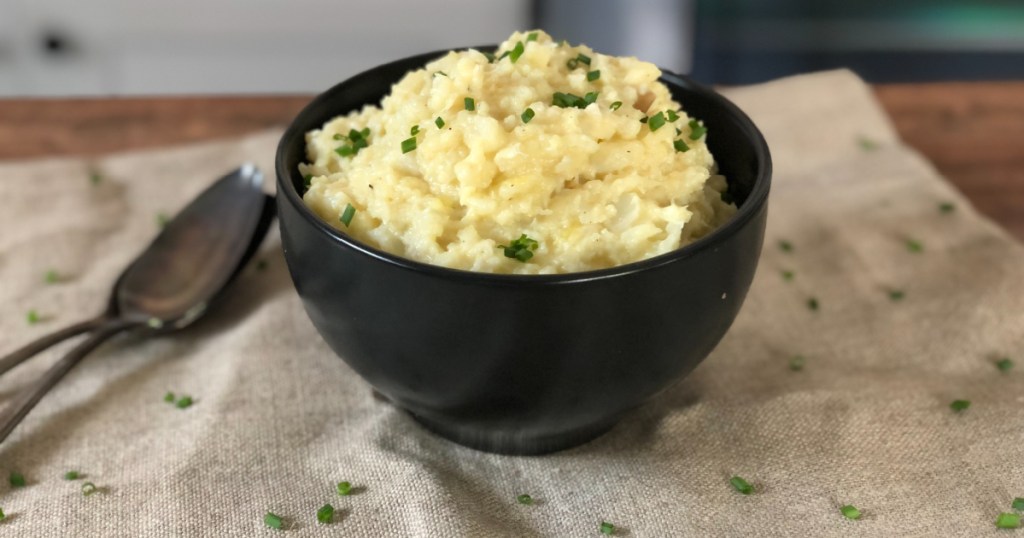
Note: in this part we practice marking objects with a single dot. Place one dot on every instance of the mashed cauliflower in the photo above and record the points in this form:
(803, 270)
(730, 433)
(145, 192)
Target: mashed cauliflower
(586, 155)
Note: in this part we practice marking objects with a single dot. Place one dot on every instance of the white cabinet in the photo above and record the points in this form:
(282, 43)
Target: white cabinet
(99, 47)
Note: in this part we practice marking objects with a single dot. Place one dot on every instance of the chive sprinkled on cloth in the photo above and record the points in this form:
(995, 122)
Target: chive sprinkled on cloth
(696, 130)
(520, 249)
(51, 277)
(527, 115)
(169, 397)
(785, 246)
(680, 146)
(532, 36)
(88, 488)
(741, 485)
(656, 121)
(17, 480)
(1004, 364)
(346, 216)
(896, 295)
(32, 317)
(797, 363)
(1018, 504)
(95, 178)
(1007, 520)
(524, 499)
(469, 103)
(850, 512)
(184, 402)
(325, 514)
(914, 245)
(946, 207)
(788, 276)
(408, 144)
(615, 105)
(439, 122)
(344, 488)
(162, 219)
(273, 520)
(72, 475)
(812, 303)
(960, 405)
(867, 144)
(607, 528)
(593, 75)
(516, 52)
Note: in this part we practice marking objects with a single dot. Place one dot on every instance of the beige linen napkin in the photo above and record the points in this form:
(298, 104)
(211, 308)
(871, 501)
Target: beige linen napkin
(278, 420)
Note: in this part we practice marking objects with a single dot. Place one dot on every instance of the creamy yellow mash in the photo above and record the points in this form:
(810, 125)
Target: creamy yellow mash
(585, 154)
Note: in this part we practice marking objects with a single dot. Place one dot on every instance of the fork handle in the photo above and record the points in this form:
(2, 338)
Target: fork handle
(18, 356)
(24, 401)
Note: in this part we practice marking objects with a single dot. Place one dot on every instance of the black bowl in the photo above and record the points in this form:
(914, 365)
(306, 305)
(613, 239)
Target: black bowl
(523, 364)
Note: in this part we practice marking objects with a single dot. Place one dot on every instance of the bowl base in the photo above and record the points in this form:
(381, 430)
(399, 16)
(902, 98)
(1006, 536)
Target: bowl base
(512, 443)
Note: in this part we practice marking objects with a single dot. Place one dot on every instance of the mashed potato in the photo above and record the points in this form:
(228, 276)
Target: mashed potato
(586, 155)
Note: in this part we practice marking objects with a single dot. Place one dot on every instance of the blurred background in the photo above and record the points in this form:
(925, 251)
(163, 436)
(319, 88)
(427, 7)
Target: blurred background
(137, 47)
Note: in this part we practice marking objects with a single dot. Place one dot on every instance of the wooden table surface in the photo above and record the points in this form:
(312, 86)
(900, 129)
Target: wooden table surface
(972, 132)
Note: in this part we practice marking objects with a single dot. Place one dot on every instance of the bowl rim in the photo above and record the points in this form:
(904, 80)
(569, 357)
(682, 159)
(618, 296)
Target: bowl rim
(752, 205)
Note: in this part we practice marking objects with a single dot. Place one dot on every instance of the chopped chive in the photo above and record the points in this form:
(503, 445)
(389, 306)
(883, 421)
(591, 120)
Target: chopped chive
(344, 488)
(415, 130)
(17, 480)
(308, 179)
(439, 122)
(572, 64)
(442, 73)
(896, 295)
(502, 57)
(696, 130)
(520, 249)
(162, 219)
(644, 119)
(960, 405)
(32, 317)
(678, 131)
(325, 514)
(946, 207)
(169, 397)
(347, 214)
(583, 59)
(524, 499)
(607, 528)
(563, 43)
(741, 485)
(489, 56)
(1008, 521)
(593, 75)
(656, 121)
(338, 136)
(680, 146)
(590, 97)
(346, 150)
(273, 520)
(2, 515)
(788, 276)
(527, 115)
(469, 103)
(408, 144)
(867, 144)
(516, 52)
(1004, 364)
(914, 245)
(72, 475)
(95, 178)
(366, 132)
(532, 36)
(568, 100)
(786, 246)
(797, 363)
(184, 402)
(88, 488)
(850, 512)
(51, 277)
(672, 116)
(1018, 504)
(812, 303)
(615, 105)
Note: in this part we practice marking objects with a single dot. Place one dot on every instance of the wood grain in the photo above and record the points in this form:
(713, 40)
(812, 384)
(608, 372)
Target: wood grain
(972, 132)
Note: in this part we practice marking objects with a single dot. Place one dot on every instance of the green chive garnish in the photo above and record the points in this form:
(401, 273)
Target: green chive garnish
(415, 130)
(489, 56)
(696, 130)
(583, 59)
(88, 488)
(325, 514)
(32, 317)
(344, 488)
(590, 97)
(914, 246)
(896, 295)
(680, 146)
(867, 144)
(568, 100)
(850, 512)
(786, 246)
(308, 178)
(1008, 521)
(2, 515)
(1018, 504)
(95, 178)
(346, 151)
(615, 105)
(946, 207)
(162, 219)
(788, 276)
(644, 119)
(51, 277)
(656, 121)
(572, 64)
(184, 402)
(169, 397)
(593, 75)
(607, 528)
(442, 73)
(71, 475)
(672, 116)
(741, 485)
(439, 122)
(408, 144)
(524, 499)
(960, 405)
(516, 52)
(346, 216)
(797, 363)
(17, 480)
(532, 36)
(520, 249)
(527, 115)
(812, 303)
(338, 136)
(469, 103)
(1004, 364)
(273, 520)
